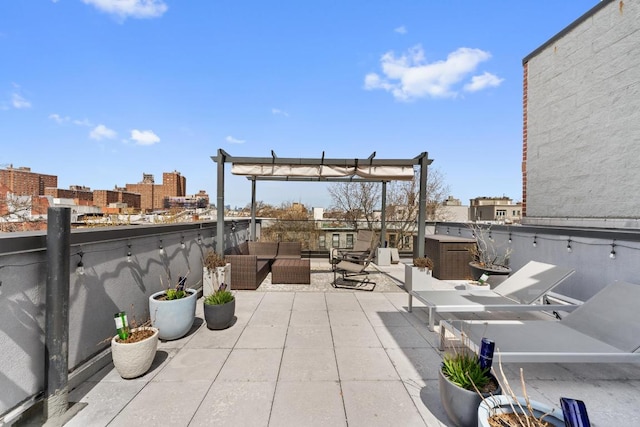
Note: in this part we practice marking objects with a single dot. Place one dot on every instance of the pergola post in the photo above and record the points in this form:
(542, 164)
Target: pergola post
(383, 221)
(220, 160)
(253, 209)
(422, 207)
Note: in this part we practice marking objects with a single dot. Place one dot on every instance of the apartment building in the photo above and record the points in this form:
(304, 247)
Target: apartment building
(495, 209)
(22, 182)
(153, 196)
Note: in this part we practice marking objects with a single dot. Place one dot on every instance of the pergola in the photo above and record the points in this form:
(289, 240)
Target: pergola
(276, 168)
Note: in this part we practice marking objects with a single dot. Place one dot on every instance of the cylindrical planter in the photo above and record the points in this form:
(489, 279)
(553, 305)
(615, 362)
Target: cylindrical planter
(219, 316)
(173, 318)
(500, 404)
(213, 278)
(461, 405)
(477, 270)
(134, 359)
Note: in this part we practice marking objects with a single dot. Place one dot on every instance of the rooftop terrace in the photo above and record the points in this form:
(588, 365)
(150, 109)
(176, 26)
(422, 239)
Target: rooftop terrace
(314, 355)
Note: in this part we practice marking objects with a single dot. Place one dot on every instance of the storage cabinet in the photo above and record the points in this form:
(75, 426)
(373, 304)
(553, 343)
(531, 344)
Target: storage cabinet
(451, 255)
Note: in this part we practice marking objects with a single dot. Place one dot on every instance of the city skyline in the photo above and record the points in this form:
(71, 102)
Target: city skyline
(100, 88)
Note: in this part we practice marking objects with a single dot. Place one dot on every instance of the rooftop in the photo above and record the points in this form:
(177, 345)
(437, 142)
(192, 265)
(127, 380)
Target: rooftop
(314, 355)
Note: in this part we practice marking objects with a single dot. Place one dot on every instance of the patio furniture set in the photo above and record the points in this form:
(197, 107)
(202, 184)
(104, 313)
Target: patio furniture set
(603, 329)
(251, 262)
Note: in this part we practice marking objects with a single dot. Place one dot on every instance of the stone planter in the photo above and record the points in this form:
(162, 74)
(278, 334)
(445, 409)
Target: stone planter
(219, 316)
(173, 318)
(415, 278)
(134, 359)
(461, 405)
(501, 404)
(211, 280)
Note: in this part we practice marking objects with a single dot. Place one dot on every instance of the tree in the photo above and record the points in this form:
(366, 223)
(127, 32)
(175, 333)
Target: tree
(19, 213)
(357, 200)
(403, 203)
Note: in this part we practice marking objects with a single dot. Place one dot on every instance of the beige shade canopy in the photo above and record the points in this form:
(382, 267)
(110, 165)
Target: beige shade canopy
(323, 170)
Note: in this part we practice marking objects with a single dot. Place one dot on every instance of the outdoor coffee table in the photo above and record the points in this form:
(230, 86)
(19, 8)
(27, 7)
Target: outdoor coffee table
(291, 271)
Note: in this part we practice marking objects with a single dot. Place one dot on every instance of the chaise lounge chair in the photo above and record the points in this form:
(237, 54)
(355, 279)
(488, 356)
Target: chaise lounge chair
(348, 269)
(603, 329)
(519, 292)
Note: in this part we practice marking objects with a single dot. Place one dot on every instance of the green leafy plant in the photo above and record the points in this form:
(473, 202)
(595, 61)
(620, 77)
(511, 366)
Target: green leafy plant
(463, 369)
(220, 296)
(423, 262)
(178, 291)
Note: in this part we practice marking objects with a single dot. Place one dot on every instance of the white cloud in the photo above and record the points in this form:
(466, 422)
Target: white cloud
(19, 102)
(144, 137)
(276, 111)
(102, 132)
(130, 8)
(483, 81)
(233, 140)
(401, 30)
(410, 76)
(58, 119)
(83, 122)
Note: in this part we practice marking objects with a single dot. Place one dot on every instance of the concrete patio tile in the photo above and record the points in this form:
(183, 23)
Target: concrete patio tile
(309, 337)
(379, 403)
(386, 318)
(426, 396)
(109, 373)
(181, 342)
(193, 364)
(309, 318)
(308, 364)
(400, 300)
(604, 371)
(270, 318)
(236, 404)
(252, 365)
(309, 301)
(224, 338)
(159, 405)
(262, 337)
(104, 401)
(374, 302)
(400, 337)
(355, 336)
(415, 363)
(364, 364)
(247, 300)
(314, 403)
(276, 301)
(348, 318)
(342, 301)
(609, 403)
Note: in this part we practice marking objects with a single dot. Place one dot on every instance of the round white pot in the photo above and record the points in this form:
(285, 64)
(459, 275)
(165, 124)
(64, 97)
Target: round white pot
(501, 404)
(134, 359)
(175, 317)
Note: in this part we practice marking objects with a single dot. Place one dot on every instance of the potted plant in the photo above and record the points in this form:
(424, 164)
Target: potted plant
(215, 272)
(133, 350)
(511, 410)
(463, 383)
(487, 257)
(173, 310)
(415, 275)
(219, 308)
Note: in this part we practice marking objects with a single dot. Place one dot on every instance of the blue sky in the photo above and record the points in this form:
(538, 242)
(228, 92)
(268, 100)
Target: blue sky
(99, 92)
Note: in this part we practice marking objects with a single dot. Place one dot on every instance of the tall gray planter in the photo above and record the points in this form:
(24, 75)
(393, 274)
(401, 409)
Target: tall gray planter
(173, 318)
(461, 405)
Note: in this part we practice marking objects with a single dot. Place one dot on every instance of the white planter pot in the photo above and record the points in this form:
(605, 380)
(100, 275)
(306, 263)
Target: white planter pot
(416, 279)
(134, 359)
(211, 280)
(175, 317)
(500, 404)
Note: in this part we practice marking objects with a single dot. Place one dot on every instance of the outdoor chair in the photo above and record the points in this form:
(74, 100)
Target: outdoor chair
(360, 250)
(519, 292)
(348, 270)
(603, 329)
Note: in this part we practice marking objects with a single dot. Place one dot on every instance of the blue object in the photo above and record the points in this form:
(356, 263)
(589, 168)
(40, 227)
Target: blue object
(486, 353)
(575, 413)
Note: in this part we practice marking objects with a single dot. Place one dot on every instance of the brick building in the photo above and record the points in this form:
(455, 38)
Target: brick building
(82, 195)
(22, 182)
(152, 195)
(103, 198)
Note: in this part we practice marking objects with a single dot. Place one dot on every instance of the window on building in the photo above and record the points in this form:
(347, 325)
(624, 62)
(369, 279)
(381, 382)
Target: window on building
(322, 242)
(349, 241)
(407, 241)
(393, 238)
(501, 213)
(335, 241)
